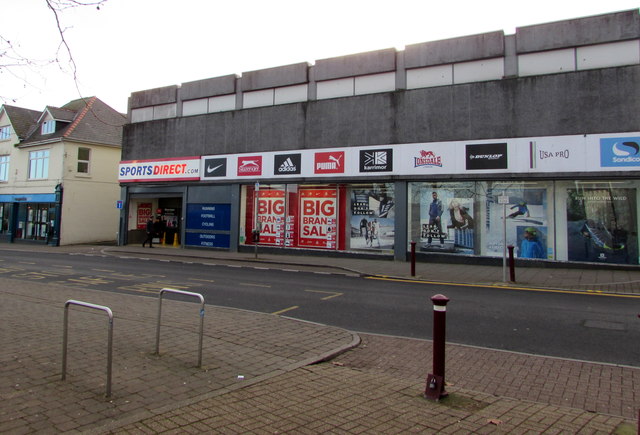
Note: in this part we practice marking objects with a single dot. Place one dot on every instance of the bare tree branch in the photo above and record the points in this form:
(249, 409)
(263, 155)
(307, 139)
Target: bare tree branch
(13, 63)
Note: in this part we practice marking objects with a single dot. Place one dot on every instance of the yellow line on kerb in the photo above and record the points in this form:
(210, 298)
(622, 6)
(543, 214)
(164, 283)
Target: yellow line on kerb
(507, 287)
(285, 310)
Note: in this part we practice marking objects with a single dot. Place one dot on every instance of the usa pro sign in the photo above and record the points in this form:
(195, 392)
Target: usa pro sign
(182, 169)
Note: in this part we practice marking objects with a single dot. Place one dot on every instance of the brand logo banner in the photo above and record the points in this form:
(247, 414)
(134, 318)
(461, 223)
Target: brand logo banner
(427, 159)
(216, 167)
(287, 164)
(620, 151)
(376, 160)
(486, 156)
(249, 166)
(329, 163)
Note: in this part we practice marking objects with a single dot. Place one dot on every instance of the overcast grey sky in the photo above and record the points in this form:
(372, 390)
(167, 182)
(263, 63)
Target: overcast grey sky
(132, 45)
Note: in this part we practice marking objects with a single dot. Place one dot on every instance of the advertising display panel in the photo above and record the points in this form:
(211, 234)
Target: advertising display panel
(602, 224)
(372, 217)
(527, 222)
(447, 222)
(208, 225)
(318, 218)
(271, 216)
(144, 214)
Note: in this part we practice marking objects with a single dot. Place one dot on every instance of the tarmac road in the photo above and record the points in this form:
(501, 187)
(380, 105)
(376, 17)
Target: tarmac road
(586, 326)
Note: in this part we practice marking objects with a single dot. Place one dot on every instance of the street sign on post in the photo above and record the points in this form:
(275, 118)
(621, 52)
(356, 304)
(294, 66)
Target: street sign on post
(504, 200)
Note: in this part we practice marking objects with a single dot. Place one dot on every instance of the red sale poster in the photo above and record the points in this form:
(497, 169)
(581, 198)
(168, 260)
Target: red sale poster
(144, 214)
(271, 215)
(318, 213)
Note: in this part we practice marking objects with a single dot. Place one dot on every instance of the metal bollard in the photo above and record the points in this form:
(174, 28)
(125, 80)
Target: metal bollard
(413, 258)
(435, 389)
(512, 265)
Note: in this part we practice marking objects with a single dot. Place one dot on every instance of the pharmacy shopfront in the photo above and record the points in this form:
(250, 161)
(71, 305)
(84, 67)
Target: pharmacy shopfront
(562, 198)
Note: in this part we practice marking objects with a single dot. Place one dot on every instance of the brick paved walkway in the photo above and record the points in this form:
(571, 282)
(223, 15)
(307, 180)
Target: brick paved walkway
(258, 376)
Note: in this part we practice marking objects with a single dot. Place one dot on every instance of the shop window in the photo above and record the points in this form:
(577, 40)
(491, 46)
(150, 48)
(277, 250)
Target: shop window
(38, 165)
(372, 216)
(305, 216)
(599, 221)
(443, 217)
(84, 155)
(4, 168)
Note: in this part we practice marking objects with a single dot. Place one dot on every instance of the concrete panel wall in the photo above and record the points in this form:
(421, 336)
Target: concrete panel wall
(592, 101)
(153, 97)
(275, 77)
(209, 87)
(462, 49)
(582, 31)
(355, 65)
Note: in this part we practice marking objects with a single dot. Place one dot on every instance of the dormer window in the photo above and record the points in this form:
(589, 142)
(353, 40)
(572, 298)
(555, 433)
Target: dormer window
(49, 126)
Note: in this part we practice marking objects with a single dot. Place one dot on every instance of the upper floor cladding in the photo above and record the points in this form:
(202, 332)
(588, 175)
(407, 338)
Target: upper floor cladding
(428, 91)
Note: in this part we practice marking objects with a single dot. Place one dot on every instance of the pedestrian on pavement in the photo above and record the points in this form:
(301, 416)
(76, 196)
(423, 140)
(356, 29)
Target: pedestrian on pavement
(150, 234)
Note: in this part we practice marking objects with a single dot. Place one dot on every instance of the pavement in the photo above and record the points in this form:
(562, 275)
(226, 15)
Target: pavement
(265, 374)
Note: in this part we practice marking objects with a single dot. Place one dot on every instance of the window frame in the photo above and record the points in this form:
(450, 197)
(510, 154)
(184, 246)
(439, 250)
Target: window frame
(49, 126)
(5, 160)
(86, 161)
(5, 132)
(38, 164)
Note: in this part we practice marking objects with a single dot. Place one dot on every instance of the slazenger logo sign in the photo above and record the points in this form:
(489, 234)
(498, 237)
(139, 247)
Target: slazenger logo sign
(427, 159)
(329, 163)
(487, 156)
(285, 164)
(249, 165)
(620, 151)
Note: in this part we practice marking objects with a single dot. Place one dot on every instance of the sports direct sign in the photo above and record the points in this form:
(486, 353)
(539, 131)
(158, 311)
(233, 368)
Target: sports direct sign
(183, 169)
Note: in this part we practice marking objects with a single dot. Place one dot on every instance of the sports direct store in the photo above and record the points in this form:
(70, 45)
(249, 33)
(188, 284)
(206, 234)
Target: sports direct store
(463, 146)
(370, 199)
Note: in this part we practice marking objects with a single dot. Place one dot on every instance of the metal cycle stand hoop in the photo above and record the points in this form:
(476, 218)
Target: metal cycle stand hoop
(181, 292)
(109, 339)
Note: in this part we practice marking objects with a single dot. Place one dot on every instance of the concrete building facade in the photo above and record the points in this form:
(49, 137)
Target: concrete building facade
(463, 146)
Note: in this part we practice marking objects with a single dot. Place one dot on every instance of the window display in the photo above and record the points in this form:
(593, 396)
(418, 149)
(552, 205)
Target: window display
(522, 220)
(444, 216)
(372, 216)
(602, 223)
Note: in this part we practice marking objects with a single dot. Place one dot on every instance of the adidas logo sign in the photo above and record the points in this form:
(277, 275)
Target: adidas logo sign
(287, 166)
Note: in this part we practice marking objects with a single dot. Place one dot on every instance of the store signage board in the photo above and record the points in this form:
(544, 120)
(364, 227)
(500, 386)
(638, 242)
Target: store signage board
(573, 154)
(180, 169)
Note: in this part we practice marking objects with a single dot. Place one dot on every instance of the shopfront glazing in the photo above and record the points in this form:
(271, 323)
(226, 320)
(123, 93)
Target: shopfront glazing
(582, 220)
(351, 217)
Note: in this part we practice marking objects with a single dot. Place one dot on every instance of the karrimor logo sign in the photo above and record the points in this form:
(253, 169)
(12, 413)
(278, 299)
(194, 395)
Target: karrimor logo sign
(376, 160)
(487, 156)
(329, 163)
(286, 164)
(620, 151)
(216, 167)
(427, 159)
(249, 165)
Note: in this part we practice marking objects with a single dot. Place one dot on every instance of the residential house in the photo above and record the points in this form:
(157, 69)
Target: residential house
(58, 173)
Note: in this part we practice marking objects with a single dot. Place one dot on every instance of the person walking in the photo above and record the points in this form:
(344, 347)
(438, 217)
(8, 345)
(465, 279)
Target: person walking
(150, 234)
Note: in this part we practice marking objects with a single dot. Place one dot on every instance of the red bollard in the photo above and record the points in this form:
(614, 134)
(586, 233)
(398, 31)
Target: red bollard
(512, 265)
(435, 381)
(413, 258)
